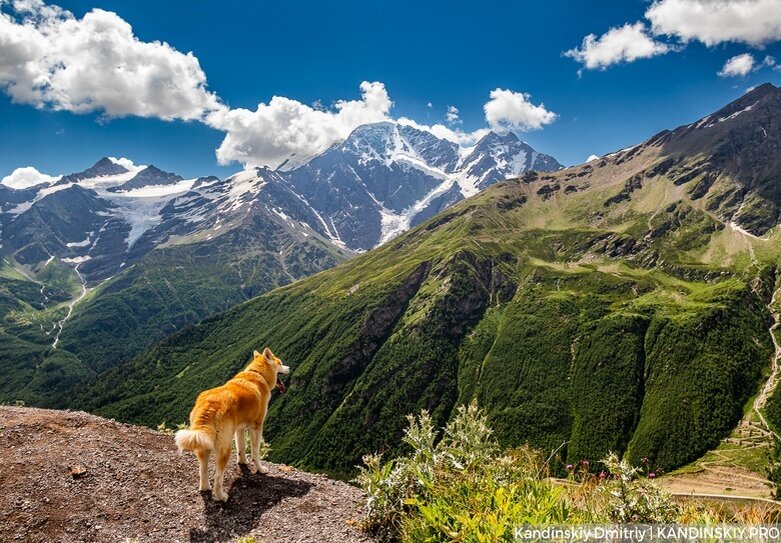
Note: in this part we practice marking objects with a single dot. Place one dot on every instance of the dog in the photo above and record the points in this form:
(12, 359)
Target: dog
(222, 413)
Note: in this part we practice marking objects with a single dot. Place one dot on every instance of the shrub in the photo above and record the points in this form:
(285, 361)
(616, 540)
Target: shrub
(458, 487)
(485, 505)
(632, 498)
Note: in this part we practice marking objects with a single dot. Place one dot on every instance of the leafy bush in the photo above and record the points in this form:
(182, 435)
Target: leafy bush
(392, 485)
(632, 498)
(457, 487)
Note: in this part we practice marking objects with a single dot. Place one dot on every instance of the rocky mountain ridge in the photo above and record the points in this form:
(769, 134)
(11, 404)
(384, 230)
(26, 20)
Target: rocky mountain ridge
(386, 177)
(101, 263)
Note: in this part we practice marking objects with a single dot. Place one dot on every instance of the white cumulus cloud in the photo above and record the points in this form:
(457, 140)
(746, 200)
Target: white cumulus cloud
(620, 44)
(124, 162)
(49, 58)
(742, 65)
(711, 22)
(457, 136)
(96, 64)
(22, 178)
(754, 22)
(272, 132)
(509, 110)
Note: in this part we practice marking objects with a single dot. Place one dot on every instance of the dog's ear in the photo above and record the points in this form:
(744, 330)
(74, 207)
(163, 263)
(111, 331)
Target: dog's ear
(267, 354)
(255, 354)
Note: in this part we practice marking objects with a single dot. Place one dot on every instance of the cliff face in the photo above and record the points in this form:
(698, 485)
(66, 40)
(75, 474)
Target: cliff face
(70, 476)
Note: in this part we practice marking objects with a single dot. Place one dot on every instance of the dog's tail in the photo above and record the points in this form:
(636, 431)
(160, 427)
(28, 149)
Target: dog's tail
(194, 440)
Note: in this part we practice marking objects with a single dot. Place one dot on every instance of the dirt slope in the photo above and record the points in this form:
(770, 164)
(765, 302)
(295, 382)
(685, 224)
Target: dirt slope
(137, 486)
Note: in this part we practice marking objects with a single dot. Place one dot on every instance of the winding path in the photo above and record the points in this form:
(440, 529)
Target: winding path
(770, 384)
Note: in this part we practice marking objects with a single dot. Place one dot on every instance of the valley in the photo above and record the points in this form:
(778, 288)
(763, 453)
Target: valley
(621, 305)
(58, 326)
(143, 253)
(518, 264)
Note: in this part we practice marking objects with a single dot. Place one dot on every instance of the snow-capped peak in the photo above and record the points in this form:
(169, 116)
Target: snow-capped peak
(387, 176)
(248, 182)
(148, 177)
(377, 141)
(389, 142)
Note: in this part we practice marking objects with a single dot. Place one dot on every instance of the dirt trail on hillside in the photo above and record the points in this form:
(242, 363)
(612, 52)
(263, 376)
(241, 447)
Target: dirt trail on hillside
(770, 385)
(717, 481)
(138, 487)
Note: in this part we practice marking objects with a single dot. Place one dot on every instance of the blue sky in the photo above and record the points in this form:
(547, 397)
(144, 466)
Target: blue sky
(438, 53)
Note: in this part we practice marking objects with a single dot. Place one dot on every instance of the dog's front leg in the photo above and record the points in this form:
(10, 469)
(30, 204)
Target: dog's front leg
(255, 436)
(241, 446)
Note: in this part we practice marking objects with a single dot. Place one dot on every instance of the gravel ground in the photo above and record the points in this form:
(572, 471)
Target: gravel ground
(135, 485)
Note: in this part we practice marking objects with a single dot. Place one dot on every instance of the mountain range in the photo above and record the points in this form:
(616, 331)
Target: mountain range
(627, 304)
(101, 263)
(387, 177)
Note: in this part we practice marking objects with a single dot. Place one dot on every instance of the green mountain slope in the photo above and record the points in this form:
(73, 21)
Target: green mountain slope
(29, 312)
(167, 289)
(177, 285)
(618, 305)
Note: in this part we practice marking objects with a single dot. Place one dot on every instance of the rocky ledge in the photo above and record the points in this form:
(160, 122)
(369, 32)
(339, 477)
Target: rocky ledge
(71, 476)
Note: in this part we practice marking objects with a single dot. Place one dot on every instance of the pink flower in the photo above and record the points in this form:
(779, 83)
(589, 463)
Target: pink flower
(602, 475)
(652, 475)
(569, 467)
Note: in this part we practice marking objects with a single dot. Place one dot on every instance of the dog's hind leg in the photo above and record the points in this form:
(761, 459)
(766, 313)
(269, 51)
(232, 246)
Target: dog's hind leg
(203, 465)
(241, 446)
(221, 460)
(255, 435)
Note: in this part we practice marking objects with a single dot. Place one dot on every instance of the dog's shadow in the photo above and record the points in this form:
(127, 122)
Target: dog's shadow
(249, 497)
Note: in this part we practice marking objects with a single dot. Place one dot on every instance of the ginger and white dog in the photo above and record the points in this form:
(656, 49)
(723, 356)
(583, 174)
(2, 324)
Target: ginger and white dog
(226, 411)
